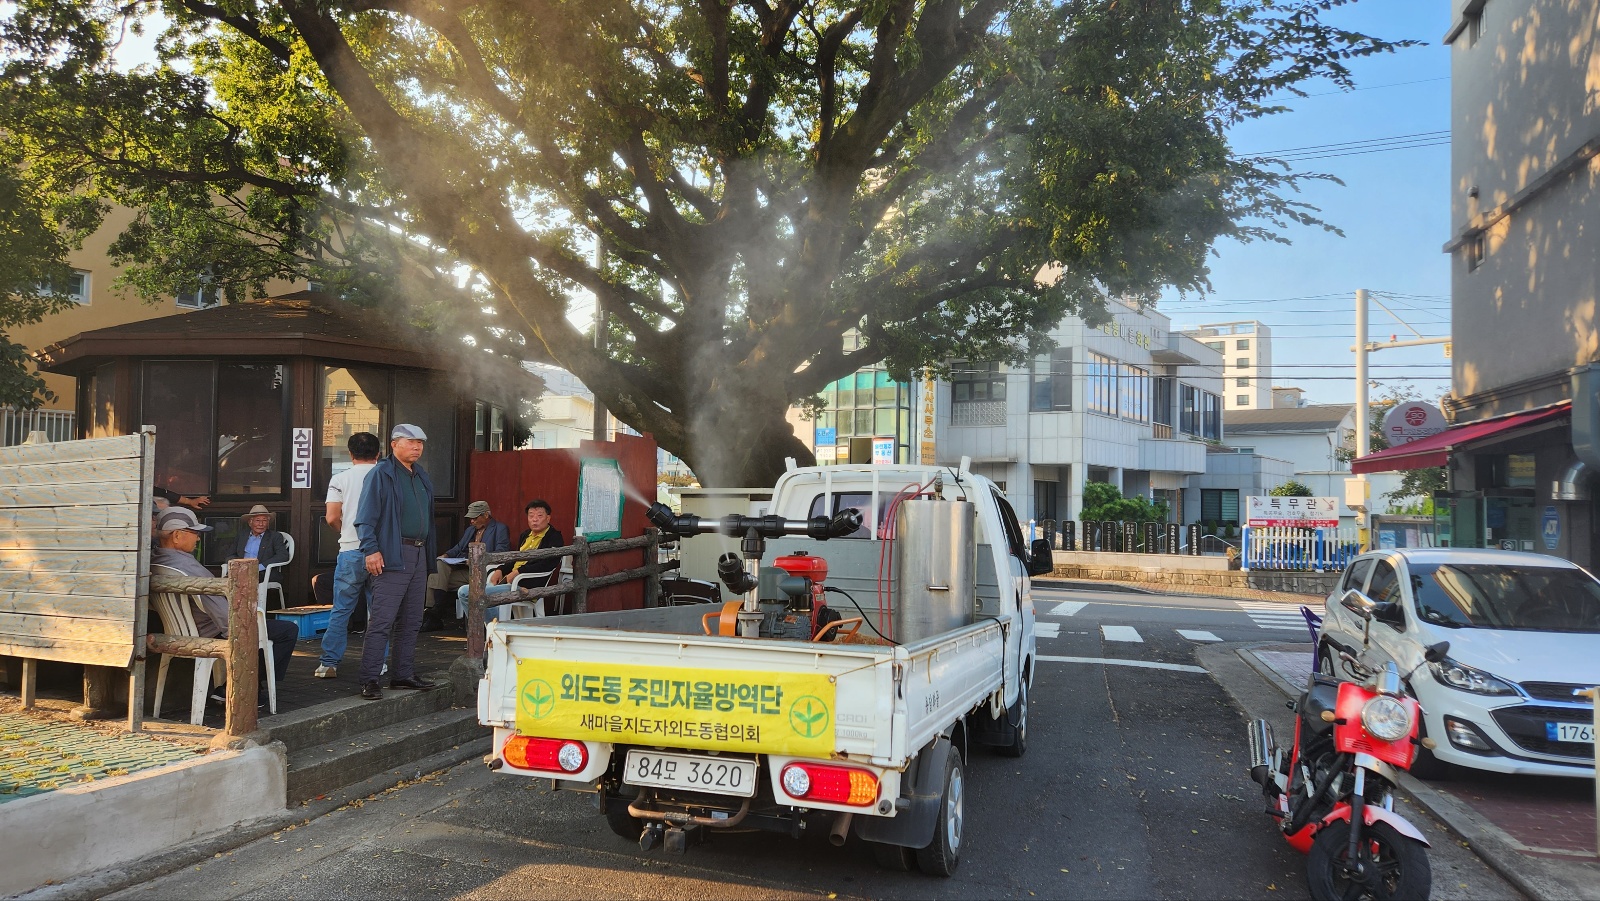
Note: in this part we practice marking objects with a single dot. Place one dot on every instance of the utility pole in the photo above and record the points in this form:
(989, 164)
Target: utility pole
(1357, 491)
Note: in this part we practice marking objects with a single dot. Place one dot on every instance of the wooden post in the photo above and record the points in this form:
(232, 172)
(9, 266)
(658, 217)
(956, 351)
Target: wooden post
(30, 681)
(652, 559)
(580, 575)
(476, 577)
(96, 692)
(244, 644)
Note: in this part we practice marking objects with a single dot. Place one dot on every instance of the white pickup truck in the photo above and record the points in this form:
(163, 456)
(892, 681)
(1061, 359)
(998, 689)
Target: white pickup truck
(774, 712)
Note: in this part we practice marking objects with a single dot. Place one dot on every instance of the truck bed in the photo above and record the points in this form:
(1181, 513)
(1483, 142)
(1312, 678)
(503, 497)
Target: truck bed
(887, 702)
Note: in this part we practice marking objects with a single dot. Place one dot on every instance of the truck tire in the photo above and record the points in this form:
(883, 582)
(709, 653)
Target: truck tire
(943, 854)
(1018, 713)
(624, 824)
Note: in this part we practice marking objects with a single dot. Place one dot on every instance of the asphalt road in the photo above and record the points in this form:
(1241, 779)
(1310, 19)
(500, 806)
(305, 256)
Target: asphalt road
(1134, 786)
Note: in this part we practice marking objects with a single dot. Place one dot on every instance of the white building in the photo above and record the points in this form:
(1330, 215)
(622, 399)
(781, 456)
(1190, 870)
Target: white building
(1129, 402)
(1246, 349)
(566, 411)
(1308, 440)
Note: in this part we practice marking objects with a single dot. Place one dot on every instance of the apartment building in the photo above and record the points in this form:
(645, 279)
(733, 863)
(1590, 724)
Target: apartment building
(1246, 349)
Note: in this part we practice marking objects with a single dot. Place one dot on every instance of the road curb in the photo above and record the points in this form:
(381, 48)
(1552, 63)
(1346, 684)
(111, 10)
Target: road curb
(104, 882)
(1533, 876)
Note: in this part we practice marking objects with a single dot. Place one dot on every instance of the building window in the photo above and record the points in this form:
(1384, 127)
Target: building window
(76, 287)
(1242, 363)
(976, 383)
(250, 437)
(1101, 385)
(491, 429)
(1242, 383)
(1219, 505)
(1242, 400)
(1189, 410)
(1215, 345)
(206, 297)
(1211, 425)
(1477, 250)
(1133, 396)
(1052, 381)
(233, 447)
(1242, 344)
(1161, 399)
(1475, 23)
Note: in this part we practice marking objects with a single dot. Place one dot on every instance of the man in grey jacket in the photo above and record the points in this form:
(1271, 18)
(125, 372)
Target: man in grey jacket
(395, 524)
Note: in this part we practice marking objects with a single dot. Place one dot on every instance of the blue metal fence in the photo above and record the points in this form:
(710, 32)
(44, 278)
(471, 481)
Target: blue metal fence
(1304, 550)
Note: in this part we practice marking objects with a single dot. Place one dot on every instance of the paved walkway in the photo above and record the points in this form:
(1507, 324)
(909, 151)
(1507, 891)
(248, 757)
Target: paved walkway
(1538, 831)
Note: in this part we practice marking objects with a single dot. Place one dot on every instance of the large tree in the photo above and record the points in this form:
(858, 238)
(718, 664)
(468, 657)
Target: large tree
(946, 178)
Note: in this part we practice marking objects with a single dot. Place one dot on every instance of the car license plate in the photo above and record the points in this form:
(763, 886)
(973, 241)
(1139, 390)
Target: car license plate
(1569, 732)
(718, 775)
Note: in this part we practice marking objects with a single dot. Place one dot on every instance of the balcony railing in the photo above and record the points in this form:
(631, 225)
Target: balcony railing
(58, 425)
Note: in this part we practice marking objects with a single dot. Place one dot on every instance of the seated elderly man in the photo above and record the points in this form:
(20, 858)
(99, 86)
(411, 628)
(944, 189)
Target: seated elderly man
(258, 541)
(178, 533)
(539, 534)
(448, 577)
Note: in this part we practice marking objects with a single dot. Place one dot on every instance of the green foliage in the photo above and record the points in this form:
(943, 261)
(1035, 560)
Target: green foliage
(36, 230)
(1103, 502)
(762, 178)
(1291, 488)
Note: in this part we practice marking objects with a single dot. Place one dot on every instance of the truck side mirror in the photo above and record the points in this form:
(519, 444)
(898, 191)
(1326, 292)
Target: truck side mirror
(1041, 558)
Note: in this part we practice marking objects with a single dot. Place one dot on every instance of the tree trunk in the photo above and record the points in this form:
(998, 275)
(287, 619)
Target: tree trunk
(741, 442)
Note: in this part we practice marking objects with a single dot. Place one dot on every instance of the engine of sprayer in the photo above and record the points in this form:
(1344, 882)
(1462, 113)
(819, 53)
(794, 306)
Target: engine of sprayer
(806, 610)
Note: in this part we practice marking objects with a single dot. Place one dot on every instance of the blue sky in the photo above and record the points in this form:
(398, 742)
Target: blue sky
(1393, 209)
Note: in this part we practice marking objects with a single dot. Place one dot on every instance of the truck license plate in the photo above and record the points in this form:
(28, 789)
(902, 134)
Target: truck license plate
(1569, 732)
(718, 775)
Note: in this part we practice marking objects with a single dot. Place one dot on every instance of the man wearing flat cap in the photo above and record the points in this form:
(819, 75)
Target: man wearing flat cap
(257, 539)
(448, 576)
(394, 521)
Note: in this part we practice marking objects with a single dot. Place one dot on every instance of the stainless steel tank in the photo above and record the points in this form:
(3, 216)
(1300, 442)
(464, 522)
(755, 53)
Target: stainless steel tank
(935, 566)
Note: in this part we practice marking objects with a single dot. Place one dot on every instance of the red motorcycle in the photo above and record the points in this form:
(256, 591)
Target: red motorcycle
(1333, 790)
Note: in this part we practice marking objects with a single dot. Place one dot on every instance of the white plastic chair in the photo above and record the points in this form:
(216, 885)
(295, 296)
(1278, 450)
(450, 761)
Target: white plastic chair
(270, 577)
(177, 618)
(530, 581)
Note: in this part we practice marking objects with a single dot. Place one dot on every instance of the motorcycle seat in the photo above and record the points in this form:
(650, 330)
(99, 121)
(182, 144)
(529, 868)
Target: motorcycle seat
(1321, 694)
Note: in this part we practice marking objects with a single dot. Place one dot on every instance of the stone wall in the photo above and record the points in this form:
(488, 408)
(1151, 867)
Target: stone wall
(1297, 582)
(1155, 576)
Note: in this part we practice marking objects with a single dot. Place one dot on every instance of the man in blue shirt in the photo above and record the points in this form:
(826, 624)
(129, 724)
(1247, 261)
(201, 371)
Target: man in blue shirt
(394, 521)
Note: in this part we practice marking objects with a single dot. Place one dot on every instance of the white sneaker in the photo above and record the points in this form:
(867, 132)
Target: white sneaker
(326, 672)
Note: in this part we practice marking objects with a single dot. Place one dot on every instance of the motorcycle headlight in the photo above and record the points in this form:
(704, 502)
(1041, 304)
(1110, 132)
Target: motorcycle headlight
(1386, 718)
(1458, 675)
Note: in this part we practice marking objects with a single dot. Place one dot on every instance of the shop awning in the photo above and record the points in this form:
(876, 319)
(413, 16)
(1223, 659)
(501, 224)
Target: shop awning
(1435, 449)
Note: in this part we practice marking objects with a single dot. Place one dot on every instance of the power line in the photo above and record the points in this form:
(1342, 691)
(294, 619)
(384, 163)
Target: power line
(1344, 145)
(1374, 87)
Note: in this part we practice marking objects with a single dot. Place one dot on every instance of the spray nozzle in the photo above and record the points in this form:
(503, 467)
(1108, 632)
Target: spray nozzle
(732, 574)
(819, 527)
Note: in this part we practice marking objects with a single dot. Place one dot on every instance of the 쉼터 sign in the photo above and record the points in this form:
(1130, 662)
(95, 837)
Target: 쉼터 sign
(712, 709)
(1294, 512)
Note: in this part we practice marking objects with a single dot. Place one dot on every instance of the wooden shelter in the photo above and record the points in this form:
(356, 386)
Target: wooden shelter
(253, 403)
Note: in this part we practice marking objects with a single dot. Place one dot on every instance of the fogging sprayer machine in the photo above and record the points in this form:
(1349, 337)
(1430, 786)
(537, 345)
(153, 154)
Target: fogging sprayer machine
(804, 574)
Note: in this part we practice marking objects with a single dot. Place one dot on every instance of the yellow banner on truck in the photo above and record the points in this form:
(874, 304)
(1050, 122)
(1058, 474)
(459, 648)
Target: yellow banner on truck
(711, 709)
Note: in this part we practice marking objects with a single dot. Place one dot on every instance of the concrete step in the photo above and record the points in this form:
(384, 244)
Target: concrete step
(320, 769)
(320, 724)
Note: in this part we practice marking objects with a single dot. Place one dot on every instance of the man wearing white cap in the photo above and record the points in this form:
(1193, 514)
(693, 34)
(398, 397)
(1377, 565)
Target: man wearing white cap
(394, 521)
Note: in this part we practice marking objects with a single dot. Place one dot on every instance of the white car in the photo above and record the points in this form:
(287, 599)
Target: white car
(1524, 633)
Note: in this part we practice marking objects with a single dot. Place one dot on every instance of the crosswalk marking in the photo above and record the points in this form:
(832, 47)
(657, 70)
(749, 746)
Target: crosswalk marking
(1121, 633)
(1067, 608)
(1196, 635)
(1268, 615)
(1046, 630)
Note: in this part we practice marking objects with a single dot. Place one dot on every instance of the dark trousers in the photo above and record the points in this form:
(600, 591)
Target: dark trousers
(283, 635)
(396, 617)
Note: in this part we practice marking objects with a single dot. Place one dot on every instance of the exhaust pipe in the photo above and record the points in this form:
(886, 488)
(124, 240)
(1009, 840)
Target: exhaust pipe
(1260, 751)
(841, 829)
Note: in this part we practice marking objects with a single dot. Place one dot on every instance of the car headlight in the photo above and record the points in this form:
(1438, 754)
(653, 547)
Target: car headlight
(1386, 718)
(1458, 675)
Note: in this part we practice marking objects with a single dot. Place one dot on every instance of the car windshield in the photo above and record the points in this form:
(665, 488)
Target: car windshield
(1518, 598)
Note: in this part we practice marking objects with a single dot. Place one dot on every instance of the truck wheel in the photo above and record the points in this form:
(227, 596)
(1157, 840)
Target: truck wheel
(624, 824)
(1019, 715)
(893, 857)
(943, 855)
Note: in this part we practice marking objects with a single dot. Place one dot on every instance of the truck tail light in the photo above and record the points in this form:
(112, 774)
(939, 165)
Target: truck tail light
(550, 754)
(831, 784)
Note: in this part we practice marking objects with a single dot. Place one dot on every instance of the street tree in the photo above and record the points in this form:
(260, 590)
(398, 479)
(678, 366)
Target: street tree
(1291, 488)
(740, 184)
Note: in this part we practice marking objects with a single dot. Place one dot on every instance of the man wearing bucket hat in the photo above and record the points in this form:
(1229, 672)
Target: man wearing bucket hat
(257, 539)
(394, 521)
(449, 575)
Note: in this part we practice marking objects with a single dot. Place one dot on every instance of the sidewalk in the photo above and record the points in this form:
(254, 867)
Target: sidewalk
(1314, 601)
(1537, 832)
